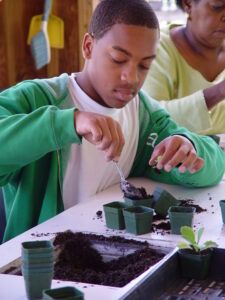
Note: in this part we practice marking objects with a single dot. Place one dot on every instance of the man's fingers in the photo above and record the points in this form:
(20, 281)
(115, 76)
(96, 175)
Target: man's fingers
(177, 157)
(174, 151)
(107, 138)
(95, 134)
(199, 163)
(158, 151)
(112, 148)
(114, 151)
(166, 149)
(188, 162)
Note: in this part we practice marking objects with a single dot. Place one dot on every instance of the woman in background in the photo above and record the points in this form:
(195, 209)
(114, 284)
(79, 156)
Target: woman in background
(188, 76)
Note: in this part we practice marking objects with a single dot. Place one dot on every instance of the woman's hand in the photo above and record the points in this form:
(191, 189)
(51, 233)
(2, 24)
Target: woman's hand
(176, 150)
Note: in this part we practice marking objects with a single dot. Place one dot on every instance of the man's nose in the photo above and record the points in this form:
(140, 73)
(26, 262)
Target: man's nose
(130, 75)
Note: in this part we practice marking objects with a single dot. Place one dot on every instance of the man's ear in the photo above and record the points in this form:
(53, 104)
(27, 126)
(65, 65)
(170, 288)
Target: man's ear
(87, 45)
(187, 6)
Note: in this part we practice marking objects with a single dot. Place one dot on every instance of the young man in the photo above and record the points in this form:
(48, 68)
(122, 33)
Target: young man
(59, 136)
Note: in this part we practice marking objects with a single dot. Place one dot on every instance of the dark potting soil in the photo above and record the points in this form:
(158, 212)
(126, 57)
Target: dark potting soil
(163, 226)
(157, 217)
(134, 193)
(99, 214)
(189, 203)
(79, 261)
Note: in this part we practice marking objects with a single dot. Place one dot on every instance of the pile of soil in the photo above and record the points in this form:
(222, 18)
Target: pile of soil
(162, 228)
(79, 261)
(189, 203)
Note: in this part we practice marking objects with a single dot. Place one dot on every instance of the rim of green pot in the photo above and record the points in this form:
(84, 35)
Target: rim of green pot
(139, 210)
(115, 204)
(68, 293)
(37, 246)
(182, 209)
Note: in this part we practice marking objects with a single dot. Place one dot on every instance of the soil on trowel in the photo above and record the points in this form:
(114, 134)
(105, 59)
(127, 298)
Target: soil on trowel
(134, 193)
(79, 261)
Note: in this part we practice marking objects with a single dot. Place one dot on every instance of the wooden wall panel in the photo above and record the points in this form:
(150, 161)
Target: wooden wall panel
(16, 63)
(67, 59)
(85, 9)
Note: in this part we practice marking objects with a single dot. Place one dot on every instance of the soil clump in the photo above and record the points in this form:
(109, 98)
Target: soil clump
(189, 203)
(80, 262)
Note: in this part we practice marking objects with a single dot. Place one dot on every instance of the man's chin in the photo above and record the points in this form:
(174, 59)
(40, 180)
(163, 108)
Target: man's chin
(119, 104)
(116, 103)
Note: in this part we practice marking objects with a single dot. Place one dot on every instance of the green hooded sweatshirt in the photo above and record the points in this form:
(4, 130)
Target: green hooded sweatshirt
(37, 122)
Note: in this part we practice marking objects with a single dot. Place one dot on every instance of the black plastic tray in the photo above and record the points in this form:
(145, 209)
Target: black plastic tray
(166, 283)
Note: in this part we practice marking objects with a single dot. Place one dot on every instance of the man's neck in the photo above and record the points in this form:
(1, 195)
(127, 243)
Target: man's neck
(84, 83)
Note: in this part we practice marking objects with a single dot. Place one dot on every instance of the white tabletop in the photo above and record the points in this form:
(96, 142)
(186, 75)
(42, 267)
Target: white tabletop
(82, 217)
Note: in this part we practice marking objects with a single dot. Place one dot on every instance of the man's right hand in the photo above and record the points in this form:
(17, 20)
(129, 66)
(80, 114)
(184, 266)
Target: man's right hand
(102, 131)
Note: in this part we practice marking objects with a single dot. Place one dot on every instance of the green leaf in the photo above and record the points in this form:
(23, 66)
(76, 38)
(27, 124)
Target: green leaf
(159, 158)
(156, 161)
(200, 232)
(210, 244)
(188, 234)
(183, 245)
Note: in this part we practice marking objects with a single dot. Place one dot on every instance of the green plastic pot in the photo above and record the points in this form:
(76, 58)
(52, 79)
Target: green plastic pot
(36, 283)
(194, 266)
(143, 202)
(222, 207)
(114, 215)
(37, 260)
(163, 200)
(34, 268)
(180, 216)
(138, 219)
(36, 248)
(64, 293)
(40, 258)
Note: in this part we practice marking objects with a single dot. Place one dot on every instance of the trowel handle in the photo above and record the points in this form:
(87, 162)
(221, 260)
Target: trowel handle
(47, 9)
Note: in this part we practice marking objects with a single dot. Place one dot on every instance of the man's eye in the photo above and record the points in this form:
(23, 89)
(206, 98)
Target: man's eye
(144, 67)
(218, 7)
(119, 62)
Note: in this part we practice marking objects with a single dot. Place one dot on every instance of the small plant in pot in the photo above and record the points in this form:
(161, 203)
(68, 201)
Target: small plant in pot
(195, 258)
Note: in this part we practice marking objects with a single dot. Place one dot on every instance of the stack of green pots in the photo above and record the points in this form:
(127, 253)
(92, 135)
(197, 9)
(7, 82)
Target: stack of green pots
(68, 292)
(37, 267)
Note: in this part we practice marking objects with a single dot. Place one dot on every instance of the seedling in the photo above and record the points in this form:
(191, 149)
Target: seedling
(156, 161)
(194, 242)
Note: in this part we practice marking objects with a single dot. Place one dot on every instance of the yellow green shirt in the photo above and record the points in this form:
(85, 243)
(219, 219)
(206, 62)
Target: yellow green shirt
(179, 88)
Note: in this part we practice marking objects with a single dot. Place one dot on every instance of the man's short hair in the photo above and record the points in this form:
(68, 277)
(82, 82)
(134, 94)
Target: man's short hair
(180, 4)
(129, 12)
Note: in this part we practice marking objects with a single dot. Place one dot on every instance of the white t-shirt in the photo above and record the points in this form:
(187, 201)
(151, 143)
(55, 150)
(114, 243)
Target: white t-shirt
(87, 173)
